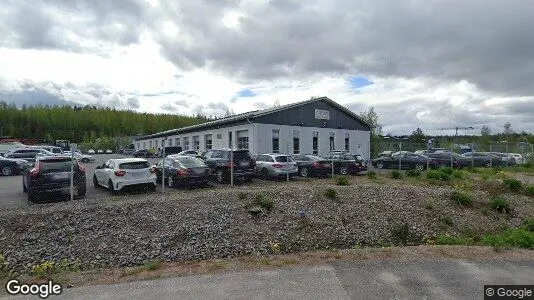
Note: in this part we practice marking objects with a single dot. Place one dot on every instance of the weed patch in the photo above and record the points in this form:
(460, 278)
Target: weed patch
(519, 237)
(264, 202)
(462, 198)
(342, 180)
(330, 193)
(500, 204)
(513, 184)
(372, 174)
(413, 173)
(447, 220)
(530, 190)
(395, 174)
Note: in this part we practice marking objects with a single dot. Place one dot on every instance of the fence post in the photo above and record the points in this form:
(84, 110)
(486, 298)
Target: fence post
(451, 157)
(472, 155)
(507, 156)
(232, 161)
(491, 156)
(400, 156)
(163, 171)
(287, 161)
(71, 173)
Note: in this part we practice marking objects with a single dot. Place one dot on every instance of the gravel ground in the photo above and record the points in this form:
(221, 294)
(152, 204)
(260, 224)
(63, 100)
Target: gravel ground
(206, 224)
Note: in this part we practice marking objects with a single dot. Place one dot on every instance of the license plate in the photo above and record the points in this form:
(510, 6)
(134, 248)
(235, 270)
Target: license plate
(61, 176)
(244, 164)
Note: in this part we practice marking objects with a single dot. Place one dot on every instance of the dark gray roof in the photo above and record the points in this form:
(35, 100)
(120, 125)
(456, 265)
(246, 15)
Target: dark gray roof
(249, 115)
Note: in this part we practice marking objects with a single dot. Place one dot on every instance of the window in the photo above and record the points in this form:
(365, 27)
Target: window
(169, 142)
(347, 142)
(230, 142)
(186, 143)
(208, 143)
(150, 143)
(177, 142)
(296, 142)
(196, 143)
(242, 139)
(219, 136)
(144, 145)
(157, 144)
(315, 142)
(332, 139)
(276, 140)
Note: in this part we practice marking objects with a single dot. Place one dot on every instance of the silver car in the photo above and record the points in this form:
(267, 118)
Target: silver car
(275, 165)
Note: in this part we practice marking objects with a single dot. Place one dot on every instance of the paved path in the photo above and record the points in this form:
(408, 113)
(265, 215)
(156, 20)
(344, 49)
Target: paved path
(384, 279)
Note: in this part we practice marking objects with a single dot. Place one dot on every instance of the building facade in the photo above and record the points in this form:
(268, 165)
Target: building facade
(316, 126)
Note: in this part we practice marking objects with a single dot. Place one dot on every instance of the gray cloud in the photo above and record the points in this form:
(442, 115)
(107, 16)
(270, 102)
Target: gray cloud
(133, 103)
(169, 107)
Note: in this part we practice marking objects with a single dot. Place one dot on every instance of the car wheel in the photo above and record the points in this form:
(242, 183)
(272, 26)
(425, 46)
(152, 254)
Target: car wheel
(95, 182)
(6, 171)
(111, 189)
(380, 165)
(344, 171)
(219, 175)
(304, 172)
(170, 181)
(487, 164)
(264, 174)
(419, 167)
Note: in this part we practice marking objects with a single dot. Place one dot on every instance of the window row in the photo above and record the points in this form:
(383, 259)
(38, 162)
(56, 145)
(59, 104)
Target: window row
(315, 142)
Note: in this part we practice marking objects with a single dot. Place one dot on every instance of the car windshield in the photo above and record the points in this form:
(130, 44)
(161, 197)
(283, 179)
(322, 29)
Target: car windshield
(134, 165)
(283, 158)
(56, 165)
(191, 162)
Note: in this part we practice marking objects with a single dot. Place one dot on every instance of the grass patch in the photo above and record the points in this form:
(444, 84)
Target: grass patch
(5, 269)
(500, 204)
(330, 193)
(438, 175)
(395, 174)
(462, 198)
(513, 184)
(447, 220)
(264, 202)
(152, 265)
(529, 190)
(457, 174)
(342, 180)
(49, 267)
(519, 237)
(413, 173)
(485, 211)
(372, 174)
(529, 224)
(452, 240)
(429, 203)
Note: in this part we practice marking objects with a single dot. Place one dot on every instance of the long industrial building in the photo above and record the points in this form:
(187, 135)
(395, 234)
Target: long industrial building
(317, 126)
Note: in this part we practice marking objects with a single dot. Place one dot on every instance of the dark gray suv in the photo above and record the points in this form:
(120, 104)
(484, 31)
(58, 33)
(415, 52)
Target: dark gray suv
(220, 163)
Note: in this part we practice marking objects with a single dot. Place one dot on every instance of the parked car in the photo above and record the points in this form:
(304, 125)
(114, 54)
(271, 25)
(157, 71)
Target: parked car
(274, 165)
(143, 153)
(171, 150)
(508, 159)
(443, 159)
(128, 151)
(183, 171)
(345, 164)
(53, 149)
(9, 166)
(109, 151)
(28, 154)
(91, 151)
(384, 153)
(125, 173)
(84, 158)
(362, 161)
(193, 153)
(52, 174)
(219, 162)
(100, 151)
(519, 159)
(8, 146)
(311, 165)
(406, 160)
(484, 159)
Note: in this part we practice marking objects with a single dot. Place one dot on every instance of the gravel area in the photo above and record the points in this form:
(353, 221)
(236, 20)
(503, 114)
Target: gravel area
(206, 224)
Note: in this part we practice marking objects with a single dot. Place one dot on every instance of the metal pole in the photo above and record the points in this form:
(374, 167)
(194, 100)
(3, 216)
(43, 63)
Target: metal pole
(507, 156)
(400, 156)
(287, 160)
(472, 156)
(72, 173)
(332, 156)
(451, 157)
(163, 171)
(232, 159)
(491, 156)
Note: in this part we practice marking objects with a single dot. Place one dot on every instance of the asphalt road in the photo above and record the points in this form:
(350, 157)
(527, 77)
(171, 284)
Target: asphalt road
(382, 279)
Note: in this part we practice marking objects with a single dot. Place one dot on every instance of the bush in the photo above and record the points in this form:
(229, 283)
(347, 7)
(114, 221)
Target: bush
(462, 198)
(530, 190)
(330, 193)
(372, 174)
(447, 220)
(438, 175)
(342, 180)
(5, 269)
(451, 240)
(519, 237)
(395, 174)
(500, 204)
(529, 224)
(513, 184)
(413, 173)
(263, 202)
(447, 171)
(401, 234)
(457, 174)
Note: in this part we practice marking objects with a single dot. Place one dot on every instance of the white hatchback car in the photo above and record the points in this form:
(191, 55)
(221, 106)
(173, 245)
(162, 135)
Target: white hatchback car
(126, 173)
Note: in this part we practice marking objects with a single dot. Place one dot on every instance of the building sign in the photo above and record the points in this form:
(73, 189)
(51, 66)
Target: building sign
(322, 114)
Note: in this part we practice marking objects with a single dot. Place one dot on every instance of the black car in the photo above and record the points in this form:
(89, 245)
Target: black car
(362, 161)
(143, 153)
(192, 153)
(9, 166)
(482, 159)
(443, 159)
(51, 175)
(344, 163)
(171, 150)
(183, 171)
(407, 160)
(311, 165)
(28, 156)
(220, 163)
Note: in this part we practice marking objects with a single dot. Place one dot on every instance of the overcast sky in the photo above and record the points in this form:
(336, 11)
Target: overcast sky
(429, 64)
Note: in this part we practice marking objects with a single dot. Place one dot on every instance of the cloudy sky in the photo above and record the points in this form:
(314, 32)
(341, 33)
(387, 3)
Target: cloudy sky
(430, 64)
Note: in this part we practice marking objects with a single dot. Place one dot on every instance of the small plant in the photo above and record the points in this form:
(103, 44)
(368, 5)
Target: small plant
(457, 174)
(486, 177)
(530, 190)
(447, 220)
(44, 269)
(518, 237)
(274, 247)
(462, 198)
(485, 211)
(342, 180)
(241, 196)
(513, 184)
(263, 202)
(429, 203)
(413, 173)
(330, 193)
(395, 174)
(529, 224)
(401, 234)
(451, 240)
(152, 265)
(437, 175)
(372, 174)
(500, 204)
(446, 170)
(5, 269)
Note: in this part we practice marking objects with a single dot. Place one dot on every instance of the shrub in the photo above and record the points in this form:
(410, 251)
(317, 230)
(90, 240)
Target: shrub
(413, 173)
(513, 184)
(457, 174)
(519, 237)
(263, 202)
(438, 175)
(152, 265)
(446, 170)
(5, 269)
(401, 234)
(485, 177)
(529, 224)
(395, 174)
(530, 190)
(372, 174)
(429, 203)
(451, 240)
(462, 198)
(330, 193)
(500, 204)
(342, 180)
(447, 220)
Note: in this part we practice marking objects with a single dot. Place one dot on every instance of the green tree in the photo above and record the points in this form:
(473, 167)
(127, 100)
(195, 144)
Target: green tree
(371, 117)
(418, 136)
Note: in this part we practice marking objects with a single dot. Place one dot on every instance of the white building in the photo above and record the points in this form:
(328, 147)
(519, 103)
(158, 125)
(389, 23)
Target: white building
(315, 126)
